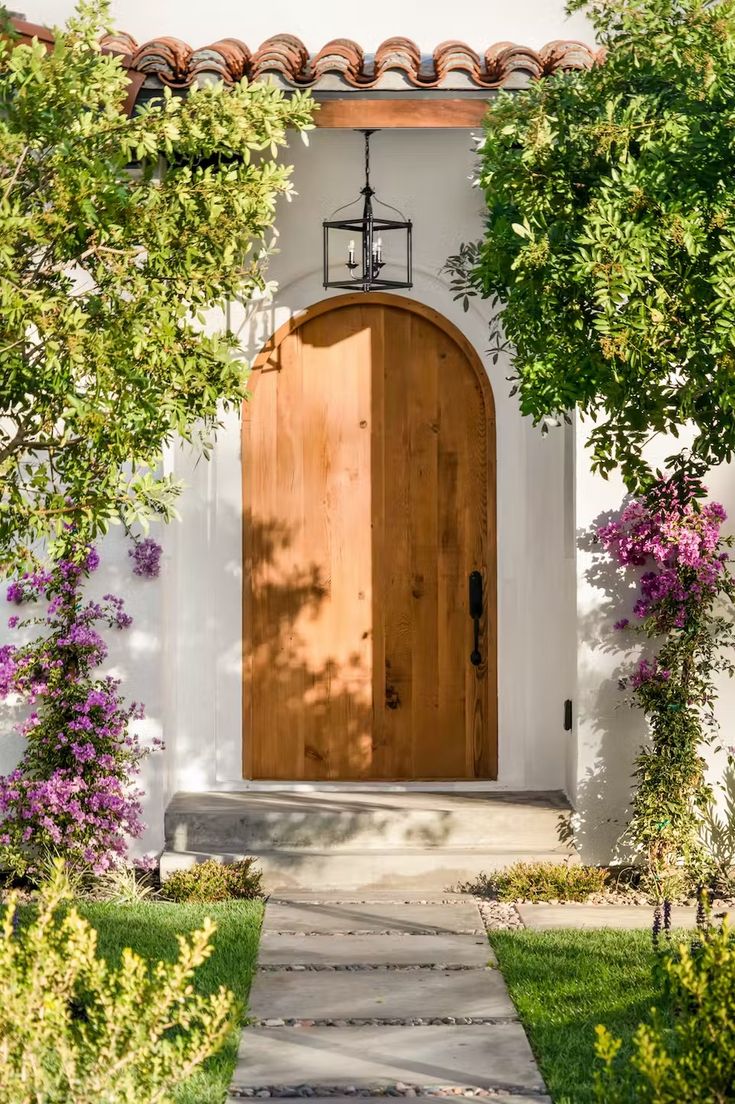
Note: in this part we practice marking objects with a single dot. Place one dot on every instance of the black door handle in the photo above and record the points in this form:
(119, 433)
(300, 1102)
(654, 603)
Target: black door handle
(475, 588)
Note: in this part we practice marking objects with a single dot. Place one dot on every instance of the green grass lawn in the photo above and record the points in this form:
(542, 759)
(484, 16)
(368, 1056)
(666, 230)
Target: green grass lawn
(564, 983)
(151, 930)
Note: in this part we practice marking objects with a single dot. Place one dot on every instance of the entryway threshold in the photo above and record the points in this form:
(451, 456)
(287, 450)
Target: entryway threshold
(245, 785)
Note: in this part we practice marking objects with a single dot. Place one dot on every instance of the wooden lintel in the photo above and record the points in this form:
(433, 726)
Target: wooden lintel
(356, 113)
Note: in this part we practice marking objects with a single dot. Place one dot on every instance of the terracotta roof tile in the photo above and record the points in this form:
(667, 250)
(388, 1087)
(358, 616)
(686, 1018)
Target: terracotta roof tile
(178, 65)
(452, 63)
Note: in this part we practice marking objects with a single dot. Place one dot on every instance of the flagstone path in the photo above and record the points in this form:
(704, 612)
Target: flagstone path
(385, 996)
(620, 917)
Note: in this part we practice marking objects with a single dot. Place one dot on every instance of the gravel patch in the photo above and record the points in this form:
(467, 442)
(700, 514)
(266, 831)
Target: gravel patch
(397, 932)
(357, 967)
(499, 915)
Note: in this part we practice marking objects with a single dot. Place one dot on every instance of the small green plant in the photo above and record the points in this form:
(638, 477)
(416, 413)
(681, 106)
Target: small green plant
(687, 1050)
(540, 881)
(215, 881)
(123, 884)
(74, 1030)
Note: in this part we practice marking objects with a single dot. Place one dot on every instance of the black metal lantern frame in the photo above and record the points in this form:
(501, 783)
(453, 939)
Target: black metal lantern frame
(365, 263)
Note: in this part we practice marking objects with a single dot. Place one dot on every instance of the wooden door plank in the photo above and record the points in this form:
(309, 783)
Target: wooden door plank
(454, 625)
(260, 495)
(421, 384)
(350, 516)
(249, 553)
(316, 627)
(397, 697)
(476, 678)
(381, 765)
(291, 587)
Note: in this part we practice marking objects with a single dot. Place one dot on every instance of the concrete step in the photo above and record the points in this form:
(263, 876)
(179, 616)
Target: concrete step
(358, 820)
(432, 870)
(362, 840)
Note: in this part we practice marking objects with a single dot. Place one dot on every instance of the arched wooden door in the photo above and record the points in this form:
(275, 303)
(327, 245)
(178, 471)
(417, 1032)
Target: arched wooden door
(369, 499)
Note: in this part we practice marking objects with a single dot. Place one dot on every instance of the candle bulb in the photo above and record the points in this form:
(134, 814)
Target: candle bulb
(379, 254)
(351, 254)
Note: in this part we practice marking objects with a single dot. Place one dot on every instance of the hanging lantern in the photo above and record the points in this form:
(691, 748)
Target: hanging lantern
(360, 248)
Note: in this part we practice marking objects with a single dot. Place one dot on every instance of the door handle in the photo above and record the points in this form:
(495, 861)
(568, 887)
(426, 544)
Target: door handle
(476, 605)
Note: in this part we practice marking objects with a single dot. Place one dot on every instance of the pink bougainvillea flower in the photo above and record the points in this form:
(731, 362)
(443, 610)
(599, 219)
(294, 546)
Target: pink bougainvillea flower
(74, 791)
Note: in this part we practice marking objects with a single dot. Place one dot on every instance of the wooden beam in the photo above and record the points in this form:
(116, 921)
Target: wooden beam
(354, 113)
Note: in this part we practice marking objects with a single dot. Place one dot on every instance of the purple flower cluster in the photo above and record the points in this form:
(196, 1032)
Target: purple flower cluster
(649, 671)
(680, 539)
(72, 792)
(669, 526)
(146, 555)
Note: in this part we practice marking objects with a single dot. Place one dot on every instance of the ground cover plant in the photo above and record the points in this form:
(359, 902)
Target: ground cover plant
(541, 881)
(151, 929)
(215, 881)
(118, 235)
(564, 984)
(78, 1027)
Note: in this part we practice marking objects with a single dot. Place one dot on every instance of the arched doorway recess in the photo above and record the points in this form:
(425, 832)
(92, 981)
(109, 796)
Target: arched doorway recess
(368, 501)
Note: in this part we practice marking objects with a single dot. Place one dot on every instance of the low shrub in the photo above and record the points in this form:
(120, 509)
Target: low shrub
(687, 1050)
(215, 881)
(74, 1030)
(541, 881)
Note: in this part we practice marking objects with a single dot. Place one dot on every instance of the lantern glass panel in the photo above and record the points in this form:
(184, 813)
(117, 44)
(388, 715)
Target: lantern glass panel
(377, 253)
(367, 248)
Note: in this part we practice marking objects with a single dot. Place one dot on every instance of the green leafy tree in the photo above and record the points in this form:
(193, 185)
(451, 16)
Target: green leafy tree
(119, 236)
(610, 238)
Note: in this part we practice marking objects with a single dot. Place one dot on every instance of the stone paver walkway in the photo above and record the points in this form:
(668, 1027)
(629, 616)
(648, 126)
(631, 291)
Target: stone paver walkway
(621, 917)
(387, 996)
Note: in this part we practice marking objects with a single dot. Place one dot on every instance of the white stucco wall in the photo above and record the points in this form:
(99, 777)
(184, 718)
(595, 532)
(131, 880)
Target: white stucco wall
(426, 174)
(428, 22)
(607, 731)
(183, 655)
(555, 641)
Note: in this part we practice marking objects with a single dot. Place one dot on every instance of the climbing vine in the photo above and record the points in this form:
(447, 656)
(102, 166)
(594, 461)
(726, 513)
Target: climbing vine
(683, 607)
(74, 792)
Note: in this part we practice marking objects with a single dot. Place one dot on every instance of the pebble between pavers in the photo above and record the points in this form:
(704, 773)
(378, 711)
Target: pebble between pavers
(377, 1014)
(345, 1096)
